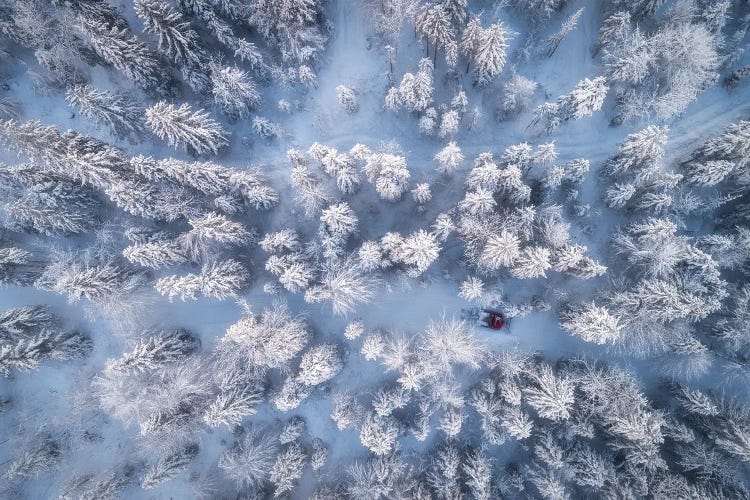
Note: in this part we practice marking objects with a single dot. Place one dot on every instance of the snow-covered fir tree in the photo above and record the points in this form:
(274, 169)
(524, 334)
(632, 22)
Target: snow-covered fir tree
(234, 92)
(181, 127)
(116, 111)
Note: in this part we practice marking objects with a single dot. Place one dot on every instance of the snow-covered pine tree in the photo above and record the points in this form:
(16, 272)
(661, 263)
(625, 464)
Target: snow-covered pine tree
(419, 250)
(156, 254)
(472, 289)
(639, 150)
(656, 74)
(586, 98)
(731, 145)
(456, 9)
(27, 352)
(479, 202)
(489, 57)
(428, 122)
(501, 250)
(234, 92)
(551, 395)
(353, 330)
(471, 39)
(389, 174)
(181, 127)
(110, 484)
(53, 208)
(250, 460)
(176, 38)
(19, 321)
(285, 240)
(516, 96)
(319, 365)
(592, 323)
(292, 26)
(294, 272)
(553, 42)
(319, 456)
(378, 434)
(218, 279)
(67, 154)
(240, 393)
(709, 173)
(265, 128)
(98, 283)
(449, 124)
(385, 401)
(434, 24)
(44, 453)
(288, 468)
(344, 285)
(155, 351)
(291, 395)
(346, 411)
(532, 262)
(123, 50)
(339, 219)
(292, 430)
(640, 8)
(17, 266)
(477, 467)
(415, 91)
(212, 229)
(116, 111)
(169, 466)
(614, 29)
(421, 193)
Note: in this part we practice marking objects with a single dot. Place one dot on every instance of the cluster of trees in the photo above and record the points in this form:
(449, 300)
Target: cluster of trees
(71, 181)
(674, 285)
(30, 335)
(589, 430)
(208, 45)
(503, 232)
(661, 71)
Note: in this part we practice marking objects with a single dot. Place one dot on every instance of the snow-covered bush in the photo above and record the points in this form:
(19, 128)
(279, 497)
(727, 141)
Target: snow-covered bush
(347, 97)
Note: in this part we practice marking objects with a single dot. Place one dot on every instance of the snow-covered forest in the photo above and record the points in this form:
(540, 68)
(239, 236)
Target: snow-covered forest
(249, 249)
